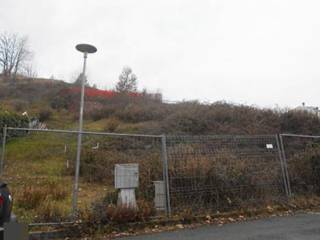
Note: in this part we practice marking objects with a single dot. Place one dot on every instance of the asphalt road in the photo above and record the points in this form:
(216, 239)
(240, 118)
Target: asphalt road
(298, 227)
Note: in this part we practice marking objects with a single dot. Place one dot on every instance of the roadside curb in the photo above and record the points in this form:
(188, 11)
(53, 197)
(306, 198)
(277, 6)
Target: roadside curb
(47, 235)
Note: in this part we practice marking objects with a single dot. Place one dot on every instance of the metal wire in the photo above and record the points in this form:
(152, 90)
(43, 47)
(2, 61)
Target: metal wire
(200, 174)
(43, 161)
(217, 173)
(302, 155)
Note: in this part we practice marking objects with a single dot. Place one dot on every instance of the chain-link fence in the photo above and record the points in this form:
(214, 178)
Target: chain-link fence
(198, 174)
(218, 173)
(107, 165)
(302, 155)
(36, 169)
(39, 166)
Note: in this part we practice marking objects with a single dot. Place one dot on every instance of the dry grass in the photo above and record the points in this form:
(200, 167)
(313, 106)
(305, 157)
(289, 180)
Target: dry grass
(32, 196)
(35, 171)
(106, 211)
(37, 175)
(52, 211)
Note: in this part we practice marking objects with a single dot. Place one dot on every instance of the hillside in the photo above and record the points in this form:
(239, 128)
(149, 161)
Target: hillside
(43, 164)
(56, 103)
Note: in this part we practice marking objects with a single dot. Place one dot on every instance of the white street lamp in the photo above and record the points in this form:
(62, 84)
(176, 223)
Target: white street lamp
(85, 49)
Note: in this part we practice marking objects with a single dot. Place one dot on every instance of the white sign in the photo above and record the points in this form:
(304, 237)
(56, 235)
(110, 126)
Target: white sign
(269, 146)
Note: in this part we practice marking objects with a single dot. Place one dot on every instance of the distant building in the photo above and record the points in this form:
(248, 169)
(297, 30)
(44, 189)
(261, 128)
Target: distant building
(309, 109)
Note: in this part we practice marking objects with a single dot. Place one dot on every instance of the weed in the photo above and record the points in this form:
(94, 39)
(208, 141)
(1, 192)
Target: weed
(106, 210)
(52, 211)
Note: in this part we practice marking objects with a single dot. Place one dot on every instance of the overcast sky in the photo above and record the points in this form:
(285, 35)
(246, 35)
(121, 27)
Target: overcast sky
(250, 51)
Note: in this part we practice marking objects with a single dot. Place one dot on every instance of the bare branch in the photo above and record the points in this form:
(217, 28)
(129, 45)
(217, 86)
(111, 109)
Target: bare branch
(14, 54)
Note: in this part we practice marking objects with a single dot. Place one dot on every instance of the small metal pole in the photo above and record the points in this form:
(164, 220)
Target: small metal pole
(284, 157)
(77, 170)
(4, 139)
(284, 178)
(164, 155)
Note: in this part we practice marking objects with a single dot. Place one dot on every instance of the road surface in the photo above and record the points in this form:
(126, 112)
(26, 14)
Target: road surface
(298, 227)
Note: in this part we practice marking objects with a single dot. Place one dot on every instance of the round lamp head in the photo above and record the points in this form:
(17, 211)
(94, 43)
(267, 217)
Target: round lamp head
(86, 48)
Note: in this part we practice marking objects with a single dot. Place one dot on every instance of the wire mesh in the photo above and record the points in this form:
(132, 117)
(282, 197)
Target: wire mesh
(219, 173)
(99, 157)
(40, 168)
(303, 163)
(205, 173)
(35, 167)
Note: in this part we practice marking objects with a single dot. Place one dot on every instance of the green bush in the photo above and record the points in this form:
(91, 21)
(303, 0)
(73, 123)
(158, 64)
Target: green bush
(12, 120)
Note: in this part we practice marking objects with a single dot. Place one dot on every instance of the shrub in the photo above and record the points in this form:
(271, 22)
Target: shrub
(12, 120)
(186, 119)
(45, 115)
(32, 196)
(300, 122)
(19, 105)
(52, 211)
(142, 111)
(304, 167)
(111, 125)
(121, 214)
(105, 112)
(59, 102)
(107, 211)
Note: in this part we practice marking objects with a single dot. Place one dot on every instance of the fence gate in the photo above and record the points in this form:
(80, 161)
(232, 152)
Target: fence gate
(220, 173)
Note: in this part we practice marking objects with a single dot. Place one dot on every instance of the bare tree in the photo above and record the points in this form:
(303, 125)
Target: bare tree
(29, 72)
(14, 54)
(127, 81)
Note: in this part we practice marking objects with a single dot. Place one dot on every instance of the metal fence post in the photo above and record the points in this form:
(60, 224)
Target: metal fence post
(284, 177)
(284, 157)
(4, 139)
(164, 156)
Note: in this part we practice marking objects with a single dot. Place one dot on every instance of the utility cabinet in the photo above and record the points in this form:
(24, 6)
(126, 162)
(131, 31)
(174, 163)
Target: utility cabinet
(126, 178)
(126, 175)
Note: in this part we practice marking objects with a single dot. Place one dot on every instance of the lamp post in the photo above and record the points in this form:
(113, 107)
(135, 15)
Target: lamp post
(85, 49)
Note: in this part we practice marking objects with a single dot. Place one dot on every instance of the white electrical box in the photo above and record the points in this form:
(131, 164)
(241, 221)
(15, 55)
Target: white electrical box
(126, 176)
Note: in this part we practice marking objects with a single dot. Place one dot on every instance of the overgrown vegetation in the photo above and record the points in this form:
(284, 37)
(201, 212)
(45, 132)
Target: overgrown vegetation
(197, 118)
(303, 157)
(146, 113)
(46, 162)
(13, 120)
(105, 211)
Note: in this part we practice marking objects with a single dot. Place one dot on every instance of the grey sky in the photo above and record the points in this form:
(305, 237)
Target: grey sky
(248, 51)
